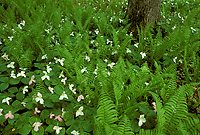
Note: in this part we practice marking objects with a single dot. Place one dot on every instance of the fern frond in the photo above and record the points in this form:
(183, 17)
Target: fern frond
(160, 113)
(124, 126)
(175, 110)
(106, 113)
(148, 132)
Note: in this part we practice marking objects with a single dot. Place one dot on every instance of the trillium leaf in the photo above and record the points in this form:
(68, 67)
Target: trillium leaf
(4, 86)
(20, 96)
(50, 129)
(3, 79)
(48, 103)
(44, 114)
(25, 129)
(13, 81)
(13, 90)
(25, 80)
(58, 89)
(3, 68)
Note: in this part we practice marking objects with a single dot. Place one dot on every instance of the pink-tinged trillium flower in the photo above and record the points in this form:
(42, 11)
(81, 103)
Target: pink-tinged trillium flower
(36, 110)
(80, 97)
(9, 115)
(36, 125)
(6, 100)
(74, 91)
(154, 106)
(75, 132)
(51, 115)
(59, 118)
(87, 58)
(31, 81)
(57, 128)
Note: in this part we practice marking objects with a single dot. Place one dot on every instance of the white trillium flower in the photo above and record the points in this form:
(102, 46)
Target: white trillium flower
(75, 132)
(50, 89)
(21, 74)
(25, 89)
(57, 128)
(39, 98)
(45, 76)
(175, 59)
(96, 31)
(24, 69)
(71, 86)
(13, 74)
(80, 97)
(79, 111)
(143, 54)
(22, 23)
(6, 100)
(83, 70)
(56, 60)
(23, 103)
(61, 75)
(61, 61)
(136, 45)
(5, 56)
(48, 69)
(10, 38)
(1, 112)
(44, 56)
(128, 50)
(141, 120)
(11, 65)
(87, 58)
(63, 80)
(63, 96)
(111, 64)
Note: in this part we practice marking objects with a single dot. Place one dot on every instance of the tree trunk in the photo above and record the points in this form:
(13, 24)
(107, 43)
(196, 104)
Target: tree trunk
(142, 12)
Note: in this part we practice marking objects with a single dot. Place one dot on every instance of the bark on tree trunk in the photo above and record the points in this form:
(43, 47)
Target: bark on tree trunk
(143, 12)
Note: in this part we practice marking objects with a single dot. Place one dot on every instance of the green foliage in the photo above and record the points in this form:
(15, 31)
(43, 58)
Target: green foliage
(98, 80)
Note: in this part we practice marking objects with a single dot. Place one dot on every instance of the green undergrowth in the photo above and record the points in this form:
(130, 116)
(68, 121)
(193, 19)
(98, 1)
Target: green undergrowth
(72, 67)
